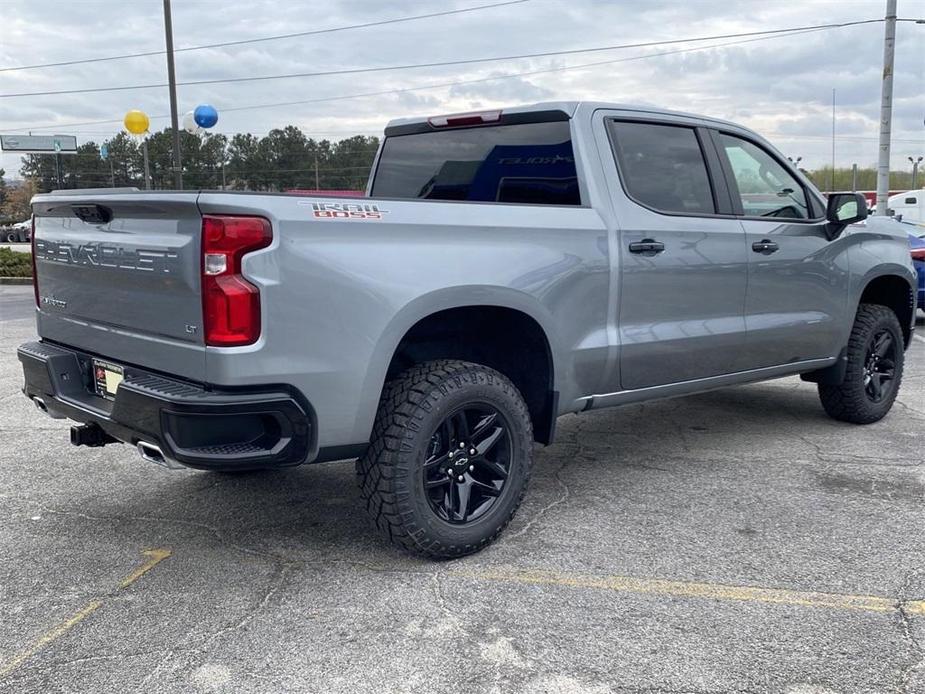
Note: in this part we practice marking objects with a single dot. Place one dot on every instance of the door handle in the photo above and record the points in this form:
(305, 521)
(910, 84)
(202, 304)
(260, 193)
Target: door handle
(647, 247)
(765, 247)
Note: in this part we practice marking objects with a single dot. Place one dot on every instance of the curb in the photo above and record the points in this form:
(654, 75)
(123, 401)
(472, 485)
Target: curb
(15, 280)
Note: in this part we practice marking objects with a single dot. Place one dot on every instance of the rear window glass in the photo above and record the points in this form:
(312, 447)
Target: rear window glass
(527, 163)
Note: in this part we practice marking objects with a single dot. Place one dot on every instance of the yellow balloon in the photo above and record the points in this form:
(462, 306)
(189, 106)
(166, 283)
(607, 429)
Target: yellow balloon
(136, 122)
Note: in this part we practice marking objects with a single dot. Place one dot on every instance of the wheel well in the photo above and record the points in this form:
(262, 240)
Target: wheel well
(896, 294)
(505, 339)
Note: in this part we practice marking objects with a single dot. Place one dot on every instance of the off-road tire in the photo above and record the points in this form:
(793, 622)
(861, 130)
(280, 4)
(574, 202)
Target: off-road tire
(849, 401)
(391, 474)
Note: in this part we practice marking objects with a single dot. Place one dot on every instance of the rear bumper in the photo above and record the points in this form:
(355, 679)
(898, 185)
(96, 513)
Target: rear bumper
(189, 424)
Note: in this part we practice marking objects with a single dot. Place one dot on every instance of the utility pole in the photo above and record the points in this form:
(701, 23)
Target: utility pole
(172, 81)
(144, 151)
(886, 108)
(832, 187)
(317, 180)
(915, 171)
(854, 178)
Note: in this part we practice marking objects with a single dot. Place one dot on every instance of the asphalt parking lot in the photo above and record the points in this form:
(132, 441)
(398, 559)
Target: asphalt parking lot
(737, 541)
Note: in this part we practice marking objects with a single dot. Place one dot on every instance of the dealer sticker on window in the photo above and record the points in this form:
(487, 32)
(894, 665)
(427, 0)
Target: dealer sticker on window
(107, 378)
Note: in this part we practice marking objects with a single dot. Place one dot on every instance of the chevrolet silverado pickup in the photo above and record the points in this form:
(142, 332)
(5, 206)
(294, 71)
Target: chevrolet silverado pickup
(504, 268)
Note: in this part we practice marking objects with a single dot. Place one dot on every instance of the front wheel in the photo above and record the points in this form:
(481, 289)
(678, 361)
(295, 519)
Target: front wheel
(874, 371)
(449, 459)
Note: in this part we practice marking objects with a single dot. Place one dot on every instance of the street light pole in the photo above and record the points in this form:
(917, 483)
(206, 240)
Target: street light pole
(172, 81)
(915, 171)
(886, 108)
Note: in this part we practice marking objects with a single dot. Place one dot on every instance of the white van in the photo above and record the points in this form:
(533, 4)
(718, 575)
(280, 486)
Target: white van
(911, 205)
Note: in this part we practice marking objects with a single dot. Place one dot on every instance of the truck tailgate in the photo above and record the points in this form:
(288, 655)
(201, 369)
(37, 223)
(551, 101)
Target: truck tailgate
(119, 276)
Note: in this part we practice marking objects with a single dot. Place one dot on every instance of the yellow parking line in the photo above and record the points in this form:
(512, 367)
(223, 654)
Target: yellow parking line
(155, 556)
(684, 589)
(50, 636)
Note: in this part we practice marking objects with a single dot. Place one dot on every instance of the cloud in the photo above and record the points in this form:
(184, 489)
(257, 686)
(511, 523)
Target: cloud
(512, 91)
(781, 86)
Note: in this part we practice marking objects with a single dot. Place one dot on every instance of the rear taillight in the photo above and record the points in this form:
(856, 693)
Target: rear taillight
(35, 275)
(918, 253)
(230, 304)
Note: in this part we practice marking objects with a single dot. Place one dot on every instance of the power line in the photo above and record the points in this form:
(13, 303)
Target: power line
(440, 85)
(455, 83)
(224, 44)
(447, 63)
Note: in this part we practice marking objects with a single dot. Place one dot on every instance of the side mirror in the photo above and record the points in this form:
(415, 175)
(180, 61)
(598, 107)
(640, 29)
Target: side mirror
(846, 208)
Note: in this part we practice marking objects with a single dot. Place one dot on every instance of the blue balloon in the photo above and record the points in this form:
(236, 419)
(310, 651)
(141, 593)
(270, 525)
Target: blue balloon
(205, 116)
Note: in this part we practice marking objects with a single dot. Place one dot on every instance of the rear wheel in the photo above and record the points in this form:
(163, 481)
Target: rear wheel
(449, 460)
(874, 371)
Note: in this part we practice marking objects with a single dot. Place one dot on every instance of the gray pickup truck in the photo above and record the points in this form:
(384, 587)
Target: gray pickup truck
(505, 268)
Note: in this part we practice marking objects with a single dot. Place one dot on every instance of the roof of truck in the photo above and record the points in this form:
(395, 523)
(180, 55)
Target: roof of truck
(570, 108)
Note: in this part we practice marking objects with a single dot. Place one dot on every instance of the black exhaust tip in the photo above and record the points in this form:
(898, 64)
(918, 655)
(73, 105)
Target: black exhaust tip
(90, 435)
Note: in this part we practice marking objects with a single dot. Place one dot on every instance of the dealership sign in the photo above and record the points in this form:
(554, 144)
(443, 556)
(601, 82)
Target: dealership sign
(39, 144)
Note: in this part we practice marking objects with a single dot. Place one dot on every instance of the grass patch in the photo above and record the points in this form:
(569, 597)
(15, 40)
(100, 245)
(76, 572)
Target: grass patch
(15, 264)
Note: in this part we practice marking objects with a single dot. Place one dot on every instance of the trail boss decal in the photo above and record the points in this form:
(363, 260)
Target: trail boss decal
(345, 210)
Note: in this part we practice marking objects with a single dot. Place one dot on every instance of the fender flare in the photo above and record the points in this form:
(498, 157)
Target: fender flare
(433, 302)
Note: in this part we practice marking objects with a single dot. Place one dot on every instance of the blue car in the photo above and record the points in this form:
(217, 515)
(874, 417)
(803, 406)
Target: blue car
(917, 246)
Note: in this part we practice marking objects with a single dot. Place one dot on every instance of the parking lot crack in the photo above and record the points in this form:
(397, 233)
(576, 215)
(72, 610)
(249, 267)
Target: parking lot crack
(908, 630)
(275, 583)
(52, 664)
(190, 653)
(558, 501)
(451, 621)
(917, 413)
(219, 535)
(686, 690)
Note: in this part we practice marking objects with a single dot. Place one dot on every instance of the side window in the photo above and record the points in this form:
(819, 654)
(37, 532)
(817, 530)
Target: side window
(662, 167)
(766, 188)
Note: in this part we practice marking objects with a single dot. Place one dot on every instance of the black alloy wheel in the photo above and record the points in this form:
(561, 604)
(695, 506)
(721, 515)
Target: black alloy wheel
(468, 464)
(880, 366)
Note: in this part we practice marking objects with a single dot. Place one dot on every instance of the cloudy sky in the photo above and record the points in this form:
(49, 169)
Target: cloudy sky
(781, 87)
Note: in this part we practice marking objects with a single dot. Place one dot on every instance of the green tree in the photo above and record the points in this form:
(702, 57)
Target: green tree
(16, 206)
(243, 156)
(866, 180)
(124, 161)
(350, 163)
(286, 158)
